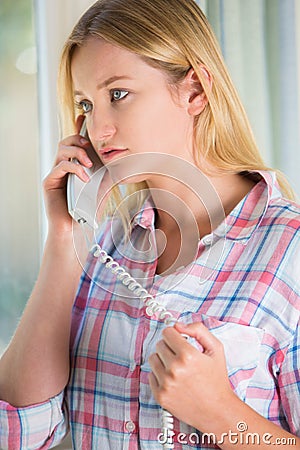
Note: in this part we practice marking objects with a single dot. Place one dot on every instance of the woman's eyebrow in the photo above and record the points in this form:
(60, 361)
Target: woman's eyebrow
(107, 82)
(111, 80)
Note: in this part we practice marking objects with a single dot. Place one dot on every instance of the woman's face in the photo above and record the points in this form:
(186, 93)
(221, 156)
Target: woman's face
(129, 106)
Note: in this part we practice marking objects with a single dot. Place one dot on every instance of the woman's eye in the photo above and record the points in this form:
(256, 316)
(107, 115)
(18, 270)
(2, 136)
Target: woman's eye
(85, 106)
(118, 94)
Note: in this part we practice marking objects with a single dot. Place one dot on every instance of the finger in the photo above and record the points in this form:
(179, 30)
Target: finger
(71, 143)
(66, 167)
(57, 177)
(165, 353)
(66, 153)
(174, 340)
(205, 338)
(75, 139)
(157, 366)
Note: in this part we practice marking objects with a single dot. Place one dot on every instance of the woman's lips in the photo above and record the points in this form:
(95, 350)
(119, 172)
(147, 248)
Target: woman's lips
(107, 154)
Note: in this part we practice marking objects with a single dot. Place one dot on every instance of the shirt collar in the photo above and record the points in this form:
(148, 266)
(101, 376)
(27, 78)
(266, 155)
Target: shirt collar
(243, 220)
(145, 217)
(246, 217)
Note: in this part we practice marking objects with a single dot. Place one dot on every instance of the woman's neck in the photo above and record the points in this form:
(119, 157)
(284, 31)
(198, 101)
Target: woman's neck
(178, 205)
(182, 217)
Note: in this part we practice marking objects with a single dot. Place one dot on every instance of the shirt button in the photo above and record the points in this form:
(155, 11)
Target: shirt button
(129, 426)
(207, 240)
(145, 222)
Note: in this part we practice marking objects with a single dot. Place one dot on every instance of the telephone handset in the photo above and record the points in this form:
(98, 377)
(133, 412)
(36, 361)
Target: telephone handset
(81, 196)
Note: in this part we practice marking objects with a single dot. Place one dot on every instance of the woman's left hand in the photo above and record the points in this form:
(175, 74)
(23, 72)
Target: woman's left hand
(191, 384)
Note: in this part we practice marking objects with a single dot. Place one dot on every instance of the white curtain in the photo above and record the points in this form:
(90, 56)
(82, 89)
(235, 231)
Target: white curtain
(260, 40)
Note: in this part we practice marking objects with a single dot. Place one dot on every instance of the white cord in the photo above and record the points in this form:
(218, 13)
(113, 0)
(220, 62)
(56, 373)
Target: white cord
(167, 429)
(152, 307)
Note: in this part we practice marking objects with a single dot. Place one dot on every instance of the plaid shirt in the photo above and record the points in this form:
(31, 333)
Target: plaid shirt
(244, 285)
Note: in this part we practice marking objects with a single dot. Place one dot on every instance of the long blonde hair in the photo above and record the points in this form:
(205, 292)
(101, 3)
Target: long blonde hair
(174, 36)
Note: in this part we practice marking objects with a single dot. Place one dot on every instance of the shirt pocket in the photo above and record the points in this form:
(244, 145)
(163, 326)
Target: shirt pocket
(242, 346)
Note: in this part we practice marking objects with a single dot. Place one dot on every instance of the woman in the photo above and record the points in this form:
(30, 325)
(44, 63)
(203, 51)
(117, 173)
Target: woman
(149, 80)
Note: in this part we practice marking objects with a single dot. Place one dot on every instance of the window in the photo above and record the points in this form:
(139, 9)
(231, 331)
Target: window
(20, 186)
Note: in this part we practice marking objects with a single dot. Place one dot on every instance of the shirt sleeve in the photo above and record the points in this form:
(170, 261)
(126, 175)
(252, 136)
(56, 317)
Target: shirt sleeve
(289, 384)
(40, 426)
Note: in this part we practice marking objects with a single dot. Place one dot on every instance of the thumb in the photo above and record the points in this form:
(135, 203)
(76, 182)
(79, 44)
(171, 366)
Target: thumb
(209, 343)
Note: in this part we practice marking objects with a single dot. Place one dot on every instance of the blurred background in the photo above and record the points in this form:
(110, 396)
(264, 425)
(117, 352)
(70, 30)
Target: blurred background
(260, 40)
(19, 167)
(31, 36)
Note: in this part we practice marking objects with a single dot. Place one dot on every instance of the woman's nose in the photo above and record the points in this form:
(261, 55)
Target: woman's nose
(101, 128)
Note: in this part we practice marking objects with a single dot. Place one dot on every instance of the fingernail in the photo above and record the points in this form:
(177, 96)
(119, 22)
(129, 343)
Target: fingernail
(84, 141)
(88, 162)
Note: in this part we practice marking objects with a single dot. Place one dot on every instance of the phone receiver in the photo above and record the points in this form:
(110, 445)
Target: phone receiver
(81, 196)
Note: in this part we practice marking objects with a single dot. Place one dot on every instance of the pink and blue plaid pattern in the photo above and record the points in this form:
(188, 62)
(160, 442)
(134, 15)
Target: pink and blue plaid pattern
(244, 285)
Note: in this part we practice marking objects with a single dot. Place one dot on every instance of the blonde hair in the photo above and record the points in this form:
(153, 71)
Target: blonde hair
(173, 36)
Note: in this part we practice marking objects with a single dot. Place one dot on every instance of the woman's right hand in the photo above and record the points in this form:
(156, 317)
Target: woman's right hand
(55, 184)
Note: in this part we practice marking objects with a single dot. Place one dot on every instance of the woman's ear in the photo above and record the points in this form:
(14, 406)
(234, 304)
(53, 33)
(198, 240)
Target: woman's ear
(197, 99)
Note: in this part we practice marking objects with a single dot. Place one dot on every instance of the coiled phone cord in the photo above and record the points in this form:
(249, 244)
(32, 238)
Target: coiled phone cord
(152, 307)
